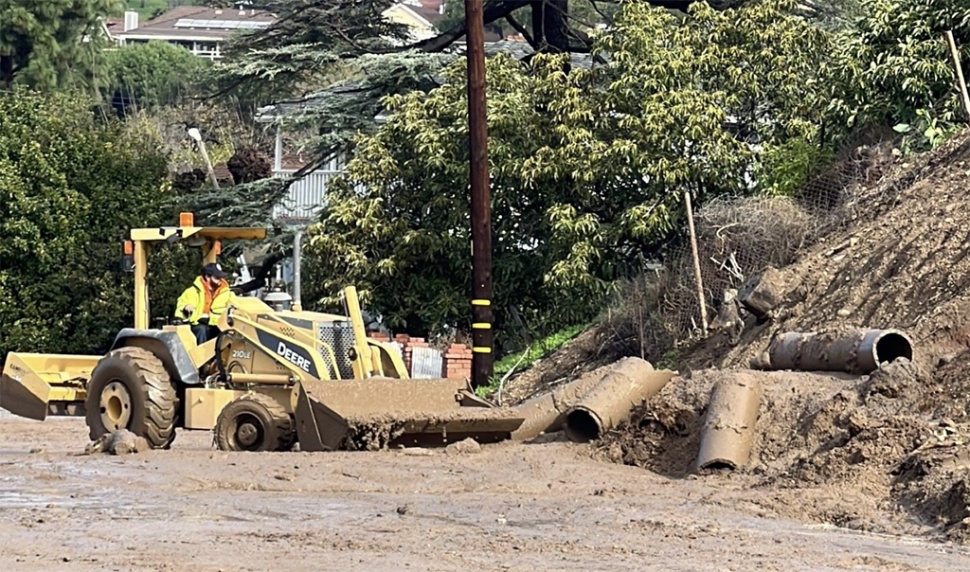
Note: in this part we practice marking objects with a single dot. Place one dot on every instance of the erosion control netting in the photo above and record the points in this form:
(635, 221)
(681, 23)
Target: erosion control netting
(737, 238)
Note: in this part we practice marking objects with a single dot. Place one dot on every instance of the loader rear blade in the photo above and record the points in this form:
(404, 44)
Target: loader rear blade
(381, 412)
(36, 385)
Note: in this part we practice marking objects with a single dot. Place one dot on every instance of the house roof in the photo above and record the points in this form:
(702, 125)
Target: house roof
(200, 22)
(430, 10)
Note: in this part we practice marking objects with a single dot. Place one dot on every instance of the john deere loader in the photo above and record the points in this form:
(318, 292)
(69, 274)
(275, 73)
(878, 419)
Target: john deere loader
(269, 379)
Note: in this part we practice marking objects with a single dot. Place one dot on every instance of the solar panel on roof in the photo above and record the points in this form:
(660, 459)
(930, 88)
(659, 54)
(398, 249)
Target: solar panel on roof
(220, 24)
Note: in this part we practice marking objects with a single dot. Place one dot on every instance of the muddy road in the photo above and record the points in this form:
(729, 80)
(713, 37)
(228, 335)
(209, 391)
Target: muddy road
(508, 507)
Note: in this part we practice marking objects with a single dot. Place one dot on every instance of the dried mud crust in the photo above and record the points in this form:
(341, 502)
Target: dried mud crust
(155, 402)
(522, 507)
(885, 452)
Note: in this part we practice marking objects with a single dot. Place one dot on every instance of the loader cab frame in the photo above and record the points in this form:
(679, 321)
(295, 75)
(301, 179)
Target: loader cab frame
(142, 240)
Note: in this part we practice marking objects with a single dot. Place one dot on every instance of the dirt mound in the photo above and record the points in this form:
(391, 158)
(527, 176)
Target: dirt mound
(588, 351)
(869, 452)
(903, 262)
(885, 452)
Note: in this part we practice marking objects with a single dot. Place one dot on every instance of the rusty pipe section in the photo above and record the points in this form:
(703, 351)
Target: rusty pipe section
(611, 401)
(857, 351)
(729, 426)
(545, 413)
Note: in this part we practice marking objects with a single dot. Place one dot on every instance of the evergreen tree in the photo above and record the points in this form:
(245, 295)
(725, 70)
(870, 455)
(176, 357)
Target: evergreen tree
(52, 43)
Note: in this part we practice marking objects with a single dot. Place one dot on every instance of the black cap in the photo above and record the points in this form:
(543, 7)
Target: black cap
(213, 270)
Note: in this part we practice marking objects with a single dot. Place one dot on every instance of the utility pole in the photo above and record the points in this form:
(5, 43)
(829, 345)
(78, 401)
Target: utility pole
(482, 357)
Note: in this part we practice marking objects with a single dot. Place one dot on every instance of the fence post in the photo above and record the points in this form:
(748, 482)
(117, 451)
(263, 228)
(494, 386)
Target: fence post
(958, 68)
(697, 262)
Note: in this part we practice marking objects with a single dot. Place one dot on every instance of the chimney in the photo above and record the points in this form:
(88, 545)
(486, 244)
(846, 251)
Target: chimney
(131, 20)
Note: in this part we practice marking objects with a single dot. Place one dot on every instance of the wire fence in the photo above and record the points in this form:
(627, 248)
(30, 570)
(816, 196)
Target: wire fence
(738, 238)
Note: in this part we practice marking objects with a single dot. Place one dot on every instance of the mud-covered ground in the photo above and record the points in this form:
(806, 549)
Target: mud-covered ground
(532, 507)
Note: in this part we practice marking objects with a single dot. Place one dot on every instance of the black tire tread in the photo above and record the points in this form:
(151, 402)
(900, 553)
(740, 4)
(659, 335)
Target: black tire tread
(161, 400)
(283, 428)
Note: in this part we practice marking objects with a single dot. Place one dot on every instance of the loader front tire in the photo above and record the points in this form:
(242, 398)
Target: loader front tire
(254, 423)
(130, 389)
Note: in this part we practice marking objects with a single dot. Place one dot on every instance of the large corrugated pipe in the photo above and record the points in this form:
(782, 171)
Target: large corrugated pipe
(612, 400)
(545, 413)
(856, 352)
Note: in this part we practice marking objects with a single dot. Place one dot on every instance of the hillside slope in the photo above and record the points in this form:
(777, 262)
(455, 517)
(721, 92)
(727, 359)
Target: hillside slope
(886, 452)
(903, 263)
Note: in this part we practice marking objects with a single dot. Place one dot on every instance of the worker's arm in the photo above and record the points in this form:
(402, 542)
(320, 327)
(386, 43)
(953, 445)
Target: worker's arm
(187, 302)
(219, 305)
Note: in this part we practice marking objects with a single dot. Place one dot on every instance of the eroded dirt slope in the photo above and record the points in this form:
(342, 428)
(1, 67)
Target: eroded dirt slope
(887, 452)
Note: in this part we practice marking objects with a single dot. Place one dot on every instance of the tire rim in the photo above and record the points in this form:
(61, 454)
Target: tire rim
(115, 406)
(248, 432)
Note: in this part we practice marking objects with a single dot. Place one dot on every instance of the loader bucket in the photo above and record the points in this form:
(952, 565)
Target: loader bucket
(381, 412)
(36, 385)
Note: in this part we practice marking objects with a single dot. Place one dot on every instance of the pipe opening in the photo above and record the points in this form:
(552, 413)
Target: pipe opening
(719, 465)
(892, 346)
(581, 426)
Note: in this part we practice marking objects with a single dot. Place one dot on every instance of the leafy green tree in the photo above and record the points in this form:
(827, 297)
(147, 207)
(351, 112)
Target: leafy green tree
(337, 58)
(153, 74)
(896, 67)
(588, 167)
(70, 188)
(52, 43)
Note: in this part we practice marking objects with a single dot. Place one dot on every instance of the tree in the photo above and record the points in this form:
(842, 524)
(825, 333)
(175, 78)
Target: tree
(588, 166)
(152, 75)
(52, 43)
(335, 59)
(583, 14)
(897, 67)
(70, 188)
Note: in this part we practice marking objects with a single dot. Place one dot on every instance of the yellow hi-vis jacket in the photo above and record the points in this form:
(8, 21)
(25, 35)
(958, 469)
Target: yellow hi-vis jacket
(213, 304)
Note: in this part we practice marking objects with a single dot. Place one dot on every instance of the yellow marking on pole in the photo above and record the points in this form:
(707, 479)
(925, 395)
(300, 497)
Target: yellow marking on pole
(482, 350)
(482, 326)
(481, 302)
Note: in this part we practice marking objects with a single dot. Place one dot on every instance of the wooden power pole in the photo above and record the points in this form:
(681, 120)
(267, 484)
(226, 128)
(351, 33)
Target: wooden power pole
(482, 357)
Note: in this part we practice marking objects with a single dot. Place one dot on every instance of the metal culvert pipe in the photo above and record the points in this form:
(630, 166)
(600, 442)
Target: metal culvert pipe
(612, 400)
(729, 425)
(545, 413)
(857, 352)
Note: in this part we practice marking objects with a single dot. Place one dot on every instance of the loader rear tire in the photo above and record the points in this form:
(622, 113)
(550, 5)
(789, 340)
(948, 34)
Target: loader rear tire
(254, 423)
(130, 389)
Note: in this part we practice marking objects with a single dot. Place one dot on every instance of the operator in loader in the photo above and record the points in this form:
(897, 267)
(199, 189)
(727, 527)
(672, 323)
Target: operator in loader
(204, 302)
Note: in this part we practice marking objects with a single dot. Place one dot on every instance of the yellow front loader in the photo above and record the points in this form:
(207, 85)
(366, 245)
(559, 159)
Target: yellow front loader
(269, 379)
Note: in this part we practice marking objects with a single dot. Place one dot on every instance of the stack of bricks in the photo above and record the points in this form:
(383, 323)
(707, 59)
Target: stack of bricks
(456, 362)
(407, 345)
